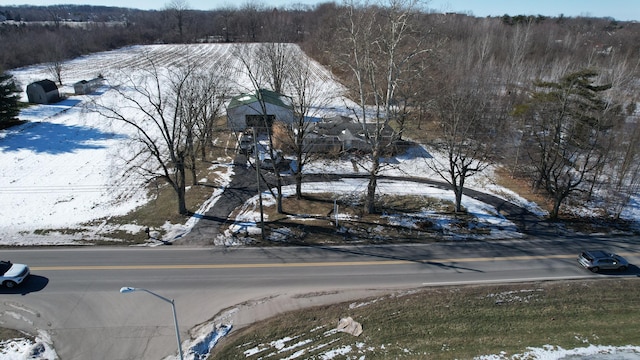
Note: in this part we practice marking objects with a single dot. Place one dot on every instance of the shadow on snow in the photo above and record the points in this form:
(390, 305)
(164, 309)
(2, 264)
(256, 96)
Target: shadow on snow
(50, 138)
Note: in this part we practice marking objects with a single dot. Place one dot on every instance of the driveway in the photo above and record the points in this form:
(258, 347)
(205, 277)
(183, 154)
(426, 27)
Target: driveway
(243, 187)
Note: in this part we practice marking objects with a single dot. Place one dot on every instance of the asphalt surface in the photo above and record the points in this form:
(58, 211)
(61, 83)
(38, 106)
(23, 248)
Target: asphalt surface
(73, 293)
(243, 186)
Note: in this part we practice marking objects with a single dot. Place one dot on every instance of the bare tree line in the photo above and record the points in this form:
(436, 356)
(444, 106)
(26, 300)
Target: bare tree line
(488, 86)
(474, 78)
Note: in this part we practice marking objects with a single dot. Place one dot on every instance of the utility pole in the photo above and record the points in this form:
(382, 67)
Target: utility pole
(257, 163)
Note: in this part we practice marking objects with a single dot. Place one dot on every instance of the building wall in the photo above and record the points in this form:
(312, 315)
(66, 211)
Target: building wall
(236, 117)
(38, 94)
(87, 86)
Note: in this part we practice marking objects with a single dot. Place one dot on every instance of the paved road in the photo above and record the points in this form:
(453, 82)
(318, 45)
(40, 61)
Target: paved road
(73, 293)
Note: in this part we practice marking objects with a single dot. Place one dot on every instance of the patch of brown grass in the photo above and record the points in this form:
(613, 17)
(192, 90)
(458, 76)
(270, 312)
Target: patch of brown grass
(523, 188)
(311, 220)
(459, 322)
(423, 131)
(163, 206)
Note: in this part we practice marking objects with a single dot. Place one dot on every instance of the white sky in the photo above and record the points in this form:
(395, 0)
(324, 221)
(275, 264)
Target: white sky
(627, 10)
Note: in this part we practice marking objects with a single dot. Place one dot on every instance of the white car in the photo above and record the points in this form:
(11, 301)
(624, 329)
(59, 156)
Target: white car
(268, 163)
(13, 274)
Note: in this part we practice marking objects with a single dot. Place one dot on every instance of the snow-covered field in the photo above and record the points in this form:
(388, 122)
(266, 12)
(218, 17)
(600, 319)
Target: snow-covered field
(64, 168)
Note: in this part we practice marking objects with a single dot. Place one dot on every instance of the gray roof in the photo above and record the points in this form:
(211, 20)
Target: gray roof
(268, 96)
(47, 85)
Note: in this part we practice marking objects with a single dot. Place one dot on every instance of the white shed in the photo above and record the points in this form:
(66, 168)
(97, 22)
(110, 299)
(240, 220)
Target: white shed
(43, 92)
(84, 87)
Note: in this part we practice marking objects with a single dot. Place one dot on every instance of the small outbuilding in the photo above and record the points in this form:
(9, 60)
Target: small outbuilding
(43, 92)
(84, 87)
(260, 110)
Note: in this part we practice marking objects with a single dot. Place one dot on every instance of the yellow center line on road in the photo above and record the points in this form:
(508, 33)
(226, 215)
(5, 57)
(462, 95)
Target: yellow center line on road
(216, 266)
(297, 264)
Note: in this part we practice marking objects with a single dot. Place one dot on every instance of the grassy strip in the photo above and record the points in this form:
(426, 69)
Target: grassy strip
(163, 206)
(453, 322)
(8, 334)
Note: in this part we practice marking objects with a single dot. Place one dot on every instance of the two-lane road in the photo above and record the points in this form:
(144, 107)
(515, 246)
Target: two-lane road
(73, 293)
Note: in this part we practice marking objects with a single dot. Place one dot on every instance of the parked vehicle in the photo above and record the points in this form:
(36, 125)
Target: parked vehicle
(13, 274)
(268, 163)
(597, 260)
(246, 143)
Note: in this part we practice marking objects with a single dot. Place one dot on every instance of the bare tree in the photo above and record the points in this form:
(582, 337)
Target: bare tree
(274, 58)
(380, 44)
(514, 72)
(179, 8)
(55, 66)
(251, 16)
(255, 71)
(225, 19)
(465, 137)
(55, 69)
(202, 102)
(619, 176)
(462, 109)
(153, 104)
(308, 96)
(625, 177)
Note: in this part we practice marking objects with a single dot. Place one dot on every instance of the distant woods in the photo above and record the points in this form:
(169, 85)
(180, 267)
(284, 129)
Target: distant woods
(41, 34)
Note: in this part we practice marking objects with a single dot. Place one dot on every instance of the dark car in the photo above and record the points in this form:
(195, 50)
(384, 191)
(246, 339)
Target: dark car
(246, 143)
(597, 260)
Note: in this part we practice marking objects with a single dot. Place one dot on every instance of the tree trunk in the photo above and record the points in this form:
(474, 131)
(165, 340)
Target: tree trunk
(553, 215)
(182, 203)
(369, 205)
(298, 175)
(557, 202)
(192, 164)
(458, 193)
(181, 185)
(279, 196)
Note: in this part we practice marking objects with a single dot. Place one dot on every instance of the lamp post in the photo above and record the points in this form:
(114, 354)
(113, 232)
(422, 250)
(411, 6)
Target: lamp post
(128, 289)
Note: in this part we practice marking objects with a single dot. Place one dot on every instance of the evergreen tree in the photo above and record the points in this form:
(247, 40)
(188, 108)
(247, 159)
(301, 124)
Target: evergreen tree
(569, 124)
(9, 95)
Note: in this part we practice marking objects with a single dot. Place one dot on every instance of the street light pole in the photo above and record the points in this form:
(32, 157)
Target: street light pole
(128, 289)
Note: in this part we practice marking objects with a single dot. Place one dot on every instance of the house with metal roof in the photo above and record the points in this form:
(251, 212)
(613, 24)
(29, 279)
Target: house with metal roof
(259, 109)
